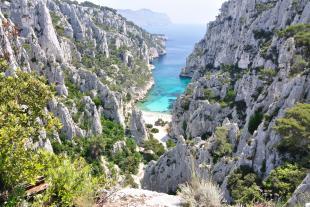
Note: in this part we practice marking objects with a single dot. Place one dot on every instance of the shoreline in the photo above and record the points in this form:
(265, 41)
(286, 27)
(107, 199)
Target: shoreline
(150, 117)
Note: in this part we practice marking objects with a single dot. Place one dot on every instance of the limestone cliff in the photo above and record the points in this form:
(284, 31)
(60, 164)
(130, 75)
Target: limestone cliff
(97, 60)
(242, 68)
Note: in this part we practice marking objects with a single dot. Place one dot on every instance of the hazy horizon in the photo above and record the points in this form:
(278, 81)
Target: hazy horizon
(180, 12)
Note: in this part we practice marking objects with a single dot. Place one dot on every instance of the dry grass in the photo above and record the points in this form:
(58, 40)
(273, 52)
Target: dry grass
(201, 193)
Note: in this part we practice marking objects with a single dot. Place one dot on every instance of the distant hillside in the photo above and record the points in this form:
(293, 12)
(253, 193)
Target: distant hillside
(146, 18)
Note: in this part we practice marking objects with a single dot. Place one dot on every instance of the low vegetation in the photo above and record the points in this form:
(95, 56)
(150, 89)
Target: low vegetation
(22, 101)
(201, 193)
(155, 146)
(294, 128)
(93, 149)
(223, 147)
(300, 32)
(283, 180)
(244, 186)
(170, 144)
(255, 121)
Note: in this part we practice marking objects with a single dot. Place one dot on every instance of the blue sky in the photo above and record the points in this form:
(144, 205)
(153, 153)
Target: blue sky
(180, 11)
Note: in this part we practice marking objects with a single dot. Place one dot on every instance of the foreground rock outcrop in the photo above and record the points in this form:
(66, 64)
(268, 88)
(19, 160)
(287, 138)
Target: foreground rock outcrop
(139, 198)
(242, 68)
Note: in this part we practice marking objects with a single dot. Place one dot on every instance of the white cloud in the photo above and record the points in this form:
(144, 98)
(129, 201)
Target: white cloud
(180, 11)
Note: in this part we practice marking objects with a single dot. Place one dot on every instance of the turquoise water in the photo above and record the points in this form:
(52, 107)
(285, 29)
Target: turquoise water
(168, 85)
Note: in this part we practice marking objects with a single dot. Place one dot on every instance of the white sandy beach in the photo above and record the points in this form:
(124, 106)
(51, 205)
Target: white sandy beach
(152, 117)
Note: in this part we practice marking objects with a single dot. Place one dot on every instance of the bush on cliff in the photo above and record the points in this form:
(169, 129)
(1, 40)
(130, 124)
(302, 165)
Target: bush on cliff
(244, 186)
(283, 180)
(23, 99)
(201, 193)
(294, 127)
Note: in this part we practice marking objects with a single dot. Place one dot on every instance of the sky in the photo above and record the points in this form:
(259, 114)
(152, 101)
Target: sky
(179, 11)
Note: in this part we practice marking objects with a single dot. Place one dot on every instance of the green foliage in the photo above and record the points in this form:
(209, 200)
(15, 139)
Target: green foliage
(264, 47)
(3, 65)
(70, 181)
(97, 100)
(299, 65)
(270, 72)
(160, 122)
(267, 74)
(73, 91)
(149, 126)
(294, 127)
(130, 182)
(255, 121)
(243, 185)
(155, 130)
(185, 103)
(300, 32)
(262, 34)
(128, 159)
(93, 149)
(154, 145)
(223, 147)
(22, 101)
(260, 7)
(56, 20)
(170, 144)
(208, 94)
(230, 96)
(283, 180)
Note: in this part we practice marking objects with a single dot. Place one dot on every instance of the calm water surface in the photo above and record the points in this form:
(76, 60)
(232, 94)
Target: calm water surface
(168, 85)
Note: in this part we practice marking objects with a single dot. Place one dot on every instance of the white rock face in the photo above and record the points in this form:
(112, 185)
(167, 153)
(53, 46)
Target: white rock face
(301, 194)
(229, 87)
(142, 198)
(56, 38)
(137, 127)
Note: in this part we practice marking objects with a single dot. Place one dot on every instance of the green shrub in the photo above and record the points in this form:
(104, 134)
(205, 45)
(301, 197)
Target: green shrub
(267, 72)
(264, 48)
(255, 121)
(73, 91)
(243, 186)
(170, 144)
(23, 99)
(97, 100)
(262, 34)
(283, 180)
(3, 65)
(185, 103)
(299, 65)
(130, 182)
(294, 127)
(260, 7)
(149, 126)
(56, 20)
(223, 147)
(128, 159)
(154, 145)
(155, 130)
(70, 181)
(300, 32)
(208, 93)
(230, 96)
(160, 122)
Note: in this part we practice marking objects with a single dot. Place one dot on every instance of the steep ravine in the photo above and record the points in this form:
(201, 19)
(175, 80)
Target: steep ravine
(244, 69)
(97, 59)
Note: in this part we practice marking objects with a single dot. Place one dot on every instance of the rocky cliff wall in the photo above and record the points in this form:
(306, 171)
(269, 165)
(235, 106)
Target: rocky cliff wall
(90, 53)
(241, 69)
